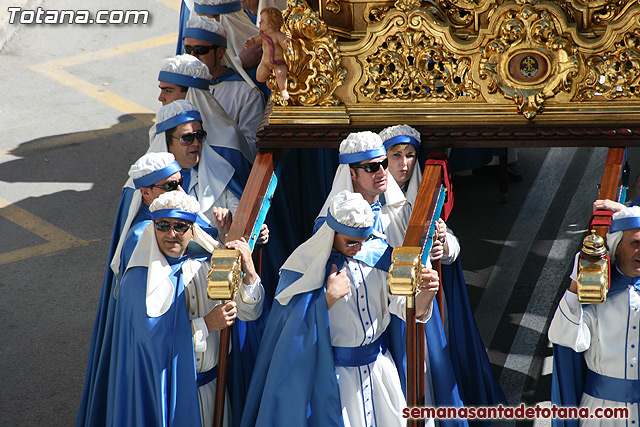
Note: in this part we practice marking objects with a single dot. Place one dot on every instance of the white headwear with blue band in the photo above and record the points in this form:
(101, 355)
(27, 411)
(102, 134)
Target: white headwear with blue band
(400, 134)
(405, 134)
(206, 29)
(352, 216)
(217, 7)
(211, 31)
(348, 215)
(146, 171)
(368, 145)
(160, 289)
(626, 219)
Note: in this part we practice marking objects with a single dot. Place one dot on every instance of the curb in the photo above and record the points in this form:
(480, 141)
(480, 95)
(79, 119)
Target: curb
(8, 30)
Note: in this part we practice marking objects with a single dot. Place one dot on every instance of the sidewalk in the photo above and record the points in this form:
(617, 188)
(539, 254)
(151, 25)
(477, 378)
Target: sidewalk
(8, 30)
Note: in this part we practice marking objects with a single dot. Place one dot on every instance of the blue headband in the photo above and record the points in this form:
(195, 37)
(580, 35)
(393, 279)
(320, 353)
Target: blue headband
(182, 80)
(622, 224)
(217, 9)
(205, 36)
(402, 139)
(187, 116)
(345, 159)
(347, 230)
(157, 176)
(174, 213)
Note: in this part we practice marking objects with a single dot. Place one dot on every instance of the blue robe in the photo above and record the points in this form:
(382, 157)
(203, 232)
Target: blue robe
(153, 378)
(92, 410)
(476, 381)
(294, 379)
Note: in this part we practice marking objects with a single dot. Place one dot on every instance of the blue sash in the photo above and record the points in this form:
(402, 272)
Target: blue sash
(204, 378)
(609, 388)
(358, 356)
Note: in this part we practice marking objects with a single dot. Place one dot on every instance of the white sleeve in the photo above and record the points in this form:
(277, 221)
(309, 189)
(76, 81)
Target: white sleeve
(454, 247)
(398, 306)
(570, 326)
(249, 299)
(200, 333)
(250, 116)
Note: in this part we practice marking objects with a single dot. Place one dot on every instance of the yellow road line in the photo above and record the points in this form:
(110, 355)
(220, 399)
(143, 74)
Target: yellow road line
(98, 55)
(57, 239)
(172, 4)
(96, 92)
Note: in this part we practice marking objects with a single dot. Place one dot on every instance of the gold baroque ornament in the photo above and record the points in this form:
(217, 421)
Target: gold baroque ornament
(407, 5)
(410, 65)
(613, 75)
(333, 6)
(532, 34)
(314, 59)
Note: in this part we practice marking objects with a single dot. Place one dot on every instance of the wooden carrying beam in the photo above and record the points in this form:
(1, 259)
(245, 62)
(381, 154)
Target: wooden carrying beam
(609, 188)
(417, 233)
(242, 226)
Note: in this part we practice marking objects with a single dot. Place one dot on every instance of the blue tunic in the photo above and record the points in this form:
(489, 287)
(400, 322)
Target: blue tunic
(153, 378)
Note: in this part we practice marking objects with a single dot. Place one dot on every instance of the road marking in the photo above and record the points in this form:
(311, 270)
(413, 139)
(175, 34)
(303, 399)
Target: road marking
(55, 70)
(98, 93)
(171, 4)
(57, 239)
(101, 54)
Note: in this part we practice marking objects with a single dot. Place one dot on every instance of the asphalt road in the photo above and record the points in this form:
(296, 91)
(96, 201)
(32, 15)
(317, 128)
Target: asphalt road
(76, 105)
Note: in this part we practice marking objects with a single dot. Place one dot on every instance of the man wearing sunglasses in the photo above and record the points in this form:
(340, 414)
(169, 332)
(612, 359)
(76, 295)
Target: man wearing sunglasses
(205, 174)
(150, 176)
(166, 329)
(363, 169)
(205, 38)
(324, 337)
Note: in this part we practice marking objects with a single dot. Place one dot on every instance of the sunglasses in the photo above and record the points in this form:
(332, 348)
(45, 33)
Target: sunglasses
(352, 244)
(188, 138)
(179, 227)
(372, 167)
(198, 50)
(169, 186)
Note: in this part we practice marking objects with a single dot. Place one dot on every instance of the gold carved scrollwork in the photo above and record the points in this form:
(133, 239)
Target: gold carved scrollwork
(377, 13)
(613, 75)
(599, 13)
(409, 65)
(464, 14)
(333, 6)
(529, 32)
(407, 5)
(314, 59)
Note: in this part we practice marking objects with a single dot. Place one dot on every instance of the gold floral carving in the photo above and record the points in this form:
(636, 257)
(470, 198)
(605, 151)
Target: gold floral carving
(407, 5)
(536, 30)
(613, 75)
(333, 6)
(410, 65)
(314, 59)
